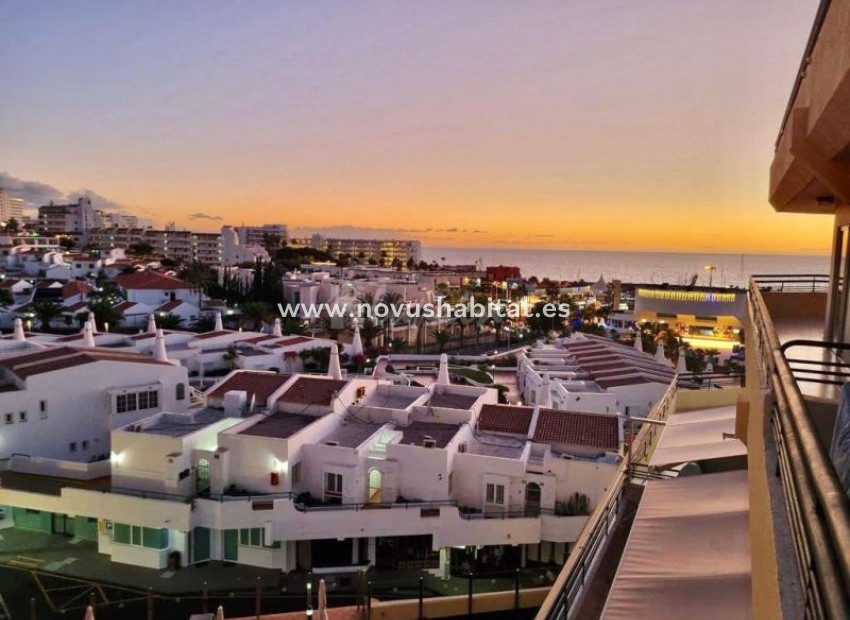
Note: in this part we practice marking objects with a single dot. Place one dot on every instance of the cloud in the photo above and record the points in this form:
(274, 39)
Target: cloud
(37, 194)
(204, 216)
(34, 193)
(351, 231)
(97, 201)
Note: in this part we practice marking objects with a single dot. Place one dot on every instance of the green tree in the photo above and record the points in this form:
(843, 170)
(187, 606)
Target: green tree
(168, 321)
(369, 330)
(254, 314)
(294, 327)
(46, 311)
(200, 276)
(104, 311)
(6, 297)
(13, 225)
(442, 338)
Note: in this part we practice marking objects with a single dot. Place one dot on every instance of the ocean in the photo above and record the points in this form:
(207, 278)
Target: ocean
(642, 267)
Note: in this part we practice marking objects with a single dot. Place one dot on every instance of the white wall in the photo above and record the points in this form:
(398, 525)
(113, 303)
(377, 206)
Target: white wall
(79, 408)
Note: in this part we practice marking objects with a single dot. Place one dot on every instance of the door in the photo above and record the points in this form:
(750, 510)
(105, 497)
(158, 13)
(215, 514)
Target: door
(231, 545)
(202, 476)
(63, 524)
(532, 499)
(199, 544)
(375, 482)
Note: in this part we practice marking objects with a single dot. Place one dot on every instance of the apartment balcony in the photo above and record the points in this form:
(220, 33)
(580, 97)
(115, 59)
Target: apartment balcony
(794, 376)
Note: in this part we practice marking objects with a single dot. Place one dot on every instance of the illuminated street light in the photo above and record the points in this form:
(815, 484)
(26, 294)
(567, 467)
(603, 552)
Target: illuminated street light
(710, 269)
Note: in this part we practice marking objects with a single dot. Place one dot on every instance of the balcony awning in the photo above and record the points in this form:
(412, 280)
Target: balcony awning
(688, 552)
(698, 436)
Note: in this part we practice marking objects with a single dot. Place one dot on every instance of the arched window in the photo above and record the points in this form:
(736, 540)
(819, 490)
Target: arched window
(180, 391)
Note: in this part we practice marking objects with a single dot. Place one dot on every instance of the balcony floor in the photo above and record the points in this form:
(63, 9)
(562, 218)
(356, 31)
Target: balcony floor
(808, 329)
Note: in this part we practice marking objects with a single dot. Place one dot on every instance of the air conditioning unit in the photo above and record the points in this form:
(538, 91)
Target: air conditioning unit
(461, 448)
(331, 443)
(429, 442)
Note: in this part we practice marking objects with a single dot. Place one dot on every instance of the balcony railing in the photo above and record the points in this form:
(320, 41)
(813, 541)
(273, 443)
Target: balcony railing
(816, 503)
(566, 593)
(792, 283)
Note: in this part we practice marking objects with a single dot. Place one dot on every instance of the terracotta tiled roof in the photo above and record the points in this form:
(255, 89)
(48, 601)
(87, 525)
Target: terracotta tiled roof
(75, 287)
(619, 381)
(587, 430)
(212, 335)
(257, 384)
(312, 391)
(60, 358)
(505, 419)
(149, 280)
(169, 306)
(288, 342)
(77, 307)
(124, 306)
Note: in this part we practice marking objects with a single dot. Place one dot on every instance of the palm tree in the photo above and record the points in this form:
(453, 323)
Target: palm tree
(168, 321)
(442, 338)
(104, 312)
(369, 330)
(46, 310)
(394, 302)
(254, 314)
(200, 276)
(334, 325)
(294, 327)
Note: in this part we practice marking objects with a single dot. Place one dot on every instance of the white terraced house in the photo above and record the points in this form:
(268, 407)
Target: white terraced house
(325, 473)
(593, 374)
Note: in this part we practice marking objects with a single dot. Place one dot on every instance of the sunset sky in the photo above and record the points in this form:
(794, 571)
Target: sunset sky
(485, 123)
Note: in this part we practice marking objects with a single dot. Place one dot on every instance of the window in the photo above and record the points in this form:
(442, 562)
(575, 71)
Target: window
(42, 409)
(84, 445)
(9, 418)
(133, 401)
(152, 538)
(495, 494)
(180, 391)
(333, 485)
(256, 537)
(296, 472)
(72, 446)
(22, 416)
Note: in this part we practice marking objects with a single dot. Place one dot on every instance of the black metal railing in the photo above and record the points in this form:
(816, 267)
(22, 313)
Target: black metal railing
(792, 282)
(816, 504)
(566, 592)
(830, 370)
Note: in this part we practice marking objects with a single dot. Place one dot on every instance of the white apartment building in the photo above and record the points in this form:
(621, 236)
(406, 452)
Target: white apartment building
(257, 235)
(11, 207)
(183, 245)
(235, 251)
(383, 251)
(76, 217)
(327, 473)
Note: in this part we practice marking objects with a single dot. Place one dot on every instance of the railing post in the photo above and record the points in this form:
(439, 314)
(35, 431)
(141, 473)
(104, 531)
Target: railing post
(32, 609)
(368, 600)
(516, 590)
(258, 598)
(150, 603)
(421, 598)
(469, 596)
(205, 594)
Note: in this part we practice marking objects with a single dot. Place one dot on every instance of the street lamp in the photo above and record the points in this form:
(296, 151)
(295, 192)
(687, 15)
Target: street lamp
(710, 269)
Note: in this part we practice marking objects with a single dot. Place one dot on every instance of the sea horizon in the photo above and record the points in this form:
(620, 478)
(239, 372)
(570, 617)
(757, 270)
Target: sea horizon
(644, 266)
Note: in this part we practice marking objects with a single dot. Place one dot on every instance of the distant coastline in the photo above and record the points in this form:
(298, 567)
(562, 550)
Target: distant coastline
(730, 269)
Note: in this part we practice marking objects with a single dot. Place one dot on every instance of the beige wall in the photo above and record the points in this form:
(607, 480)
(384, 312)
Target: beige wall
(765, 573)
(690, 400)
